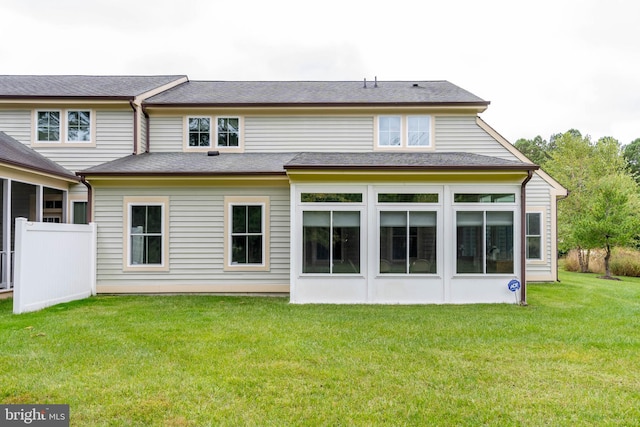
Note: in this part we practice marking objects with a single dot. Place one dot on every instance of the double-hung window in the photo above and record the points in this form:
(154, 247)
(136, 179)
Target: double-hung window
(404, 132)
(146, 233)
(246, 233)
(534, 236)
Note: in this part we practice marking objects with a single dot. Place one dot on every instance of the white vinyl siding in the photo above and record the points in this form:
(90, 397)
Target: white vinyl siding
(308, 133)
(166, 134)
(540, 198)
(196, 224)
(17, 124)
(462, 134)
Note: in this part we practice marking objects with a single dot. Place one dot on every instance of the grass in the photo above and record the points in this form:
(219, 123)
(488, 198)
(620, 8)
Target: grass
(572, 357)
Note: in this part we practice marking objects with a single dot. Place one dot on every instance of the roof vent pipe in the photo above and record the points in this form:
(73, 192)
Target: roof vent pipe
(376, 82)
(213, 153)
(365, 82)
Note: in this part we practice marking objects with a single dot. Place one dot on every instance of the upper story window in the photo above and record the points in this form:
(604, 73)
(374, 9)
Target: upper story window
(199, 131)
(219, 132)
(228, 132)
(78, 126)
(64, 126)
(404, 132)
(48, 123)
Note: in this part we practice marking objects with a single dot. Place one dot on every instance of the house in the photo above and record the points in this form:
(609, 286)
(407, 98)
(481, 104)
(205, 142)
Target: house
(333, 192)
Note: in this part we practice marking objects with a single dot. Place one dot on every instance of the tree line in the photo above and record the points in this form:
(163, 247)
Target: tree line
(603, 179)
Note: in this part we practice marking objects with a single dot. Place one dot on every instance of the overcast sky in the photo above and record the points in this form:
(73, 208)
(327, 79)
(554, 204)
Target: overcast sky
(546, 66)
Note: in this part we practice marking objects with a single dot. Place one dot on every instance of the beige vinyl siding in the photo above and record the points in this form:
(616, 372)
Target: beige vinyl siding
(16, 124)
(165, 134)
(462, 134)
(196, 236)
(539, 196)
(308, 133)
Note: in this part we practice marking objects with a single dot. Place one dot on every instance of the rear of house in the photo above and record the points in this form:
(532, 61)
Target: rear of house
(335, 192)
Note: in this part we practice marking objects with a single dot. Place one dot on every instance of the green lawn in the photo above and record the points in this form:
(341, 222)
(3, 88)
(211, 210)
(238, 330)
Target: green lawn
(572, 357)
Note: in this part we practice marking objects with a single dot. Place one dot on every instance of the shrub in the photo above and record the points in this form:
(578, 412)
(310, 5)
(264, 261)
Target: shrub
(624, 262)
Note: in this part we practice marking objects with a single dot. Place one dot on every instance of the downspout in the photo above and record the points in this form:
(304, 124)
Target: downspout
(135, 126)
(147, 137)
(89, 198)
(523, 238)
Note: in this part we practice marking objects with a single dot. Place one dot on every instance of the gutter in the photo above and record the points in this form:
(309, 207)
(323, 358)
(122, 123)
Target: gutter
(523, 238)
(89, 198)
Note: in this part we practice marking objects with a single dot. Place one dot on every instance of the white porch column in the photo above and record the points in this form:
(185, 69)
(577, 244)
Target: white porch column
(39, 199)
(6, 233)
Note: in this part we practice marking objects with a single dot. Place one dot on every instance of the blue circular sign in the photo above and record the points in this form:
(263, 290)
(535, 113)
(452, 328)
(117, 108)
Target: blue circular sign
(514, 285)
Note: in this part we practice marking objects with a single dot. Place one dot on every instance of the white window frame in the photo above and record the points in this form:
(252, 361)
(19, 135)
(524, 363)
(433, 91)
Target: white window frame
(188, 132)
(229, 203)
(128, 203)
(404, 134)
(60, 126)
(63, 140)
(213, 134)
(542, 236)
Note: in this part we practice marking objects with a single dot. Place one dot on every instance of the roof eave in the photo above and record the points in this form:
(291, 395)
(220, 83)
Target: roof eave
(387, 168)
(66, 177)
(479, 105)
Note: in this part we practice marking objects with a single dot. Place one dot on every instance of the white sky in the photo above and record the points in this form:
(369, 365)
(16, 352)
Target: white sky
(546, 66)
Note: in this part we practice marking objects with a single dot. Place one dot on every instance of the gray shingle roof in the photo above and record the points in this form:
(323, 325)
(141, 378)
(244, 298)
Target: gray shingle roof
(12, 86)
(194, 164)
(390, 160)
(315, 93)
(277, 163)
(15, 153)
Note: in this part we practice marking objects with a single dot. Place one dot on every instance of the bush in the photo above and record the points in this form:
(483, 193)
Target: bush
(624, 262)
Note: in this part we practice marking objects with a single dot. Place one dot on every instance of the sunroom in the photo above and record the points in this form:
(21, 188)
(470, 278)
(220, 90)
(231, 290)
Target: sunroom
(410, 229)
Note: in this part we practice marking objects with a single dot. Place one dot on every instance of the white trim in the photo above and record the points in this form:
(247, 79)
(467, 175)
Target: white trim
(128, 202)
(543, 235)
(404, 134)
(229, 203)
(63, 140)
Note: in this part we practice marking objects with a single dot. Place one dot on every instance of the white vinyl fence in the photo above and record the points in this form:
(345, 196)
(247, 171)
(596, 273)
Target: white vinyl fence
(54, 263)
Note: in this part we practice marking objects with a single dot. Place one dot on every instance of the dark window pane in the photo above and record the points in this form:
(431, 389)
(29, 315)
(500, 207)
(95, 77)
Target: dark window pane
(138, 219)
(407, 198)
(154, 250)
(239, 250)
(469, 227)
(533, 224)
(499, 242)
(316, 242)
(255, 219)
(239, 214)
(80, 212)
(533, 248)
(154, 219)
(331, 197)
(254, 249)
(484, 198)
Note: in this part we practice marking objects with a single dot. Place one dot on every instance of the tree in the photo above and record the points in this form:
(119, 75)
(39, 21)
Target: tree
(631, 154)
(612, 216)
(535, 149)
(580, 165)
